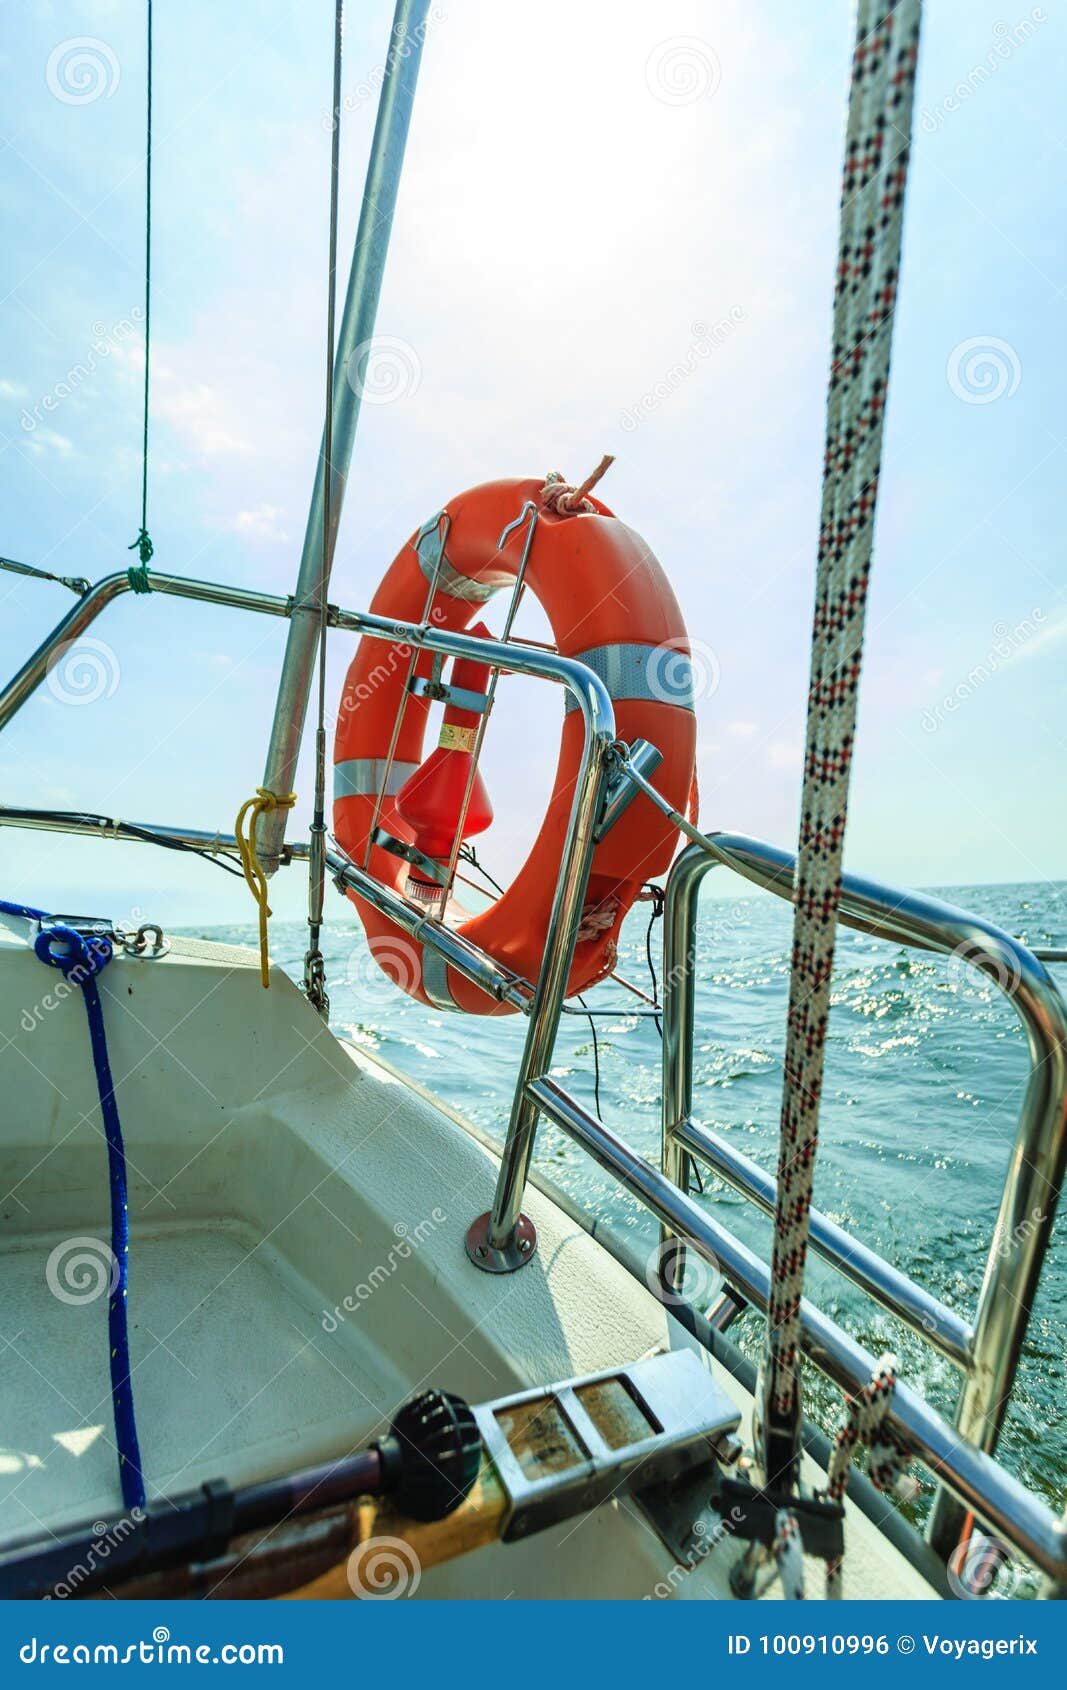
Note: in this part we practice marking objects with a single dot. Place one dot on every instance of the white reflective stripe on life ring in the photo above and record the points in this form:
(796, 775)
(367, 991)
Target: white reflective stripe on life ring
(653, 674)
(435, 979)
(430, 551)
(361, 777)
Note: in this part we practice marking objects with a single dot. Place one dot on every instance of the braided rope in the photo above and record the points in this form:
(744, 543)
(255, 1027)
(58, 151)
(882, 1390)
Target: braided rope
(872, 204)
(80, 960)
(864, 1424)
(788, 1551)
(559, 497)
(245, 830)
(875, 172)
(138, 575)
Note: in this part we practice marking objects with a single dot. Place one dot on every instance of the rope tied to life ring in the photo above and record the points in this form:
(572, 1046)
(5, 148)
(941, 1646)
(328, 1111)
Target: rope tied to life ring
(559, 497)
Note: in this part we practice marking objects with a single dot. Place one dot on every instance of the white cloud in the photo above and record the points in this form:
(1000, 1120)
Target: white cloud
(261, 524)
(47, 440)
(198, 413)
(206, 418)
(12, 390)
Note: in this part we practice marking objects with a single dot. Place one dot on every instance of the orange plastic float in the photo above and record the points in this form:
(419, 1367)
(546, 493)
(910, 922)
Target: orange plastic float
(610, 605)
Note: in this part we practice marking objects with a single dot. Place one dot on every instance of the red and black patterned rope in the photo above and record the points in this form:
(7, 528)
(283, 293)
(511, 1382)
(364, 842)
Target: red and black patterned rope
(868, 269)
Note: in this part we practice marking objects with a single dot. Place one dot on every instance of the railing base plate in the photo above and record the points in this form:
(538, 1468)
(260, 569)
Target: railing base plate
(516, 1253)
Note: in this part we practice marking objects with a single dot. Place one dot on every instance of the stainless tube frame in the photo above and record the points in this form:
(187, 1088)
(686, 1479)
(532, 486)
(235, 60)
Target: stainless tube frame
(357, 328)
(502, 1239)
(974, 1477)
(82, 615)
(1023, 1227)
(903, 1297)
(212, 844)
(503, 1222)
(457, 952)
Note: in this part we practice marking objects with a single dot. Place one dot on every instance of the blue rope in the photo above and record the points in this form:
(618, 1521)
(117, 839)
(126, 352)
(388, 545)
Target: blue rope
(80, 960)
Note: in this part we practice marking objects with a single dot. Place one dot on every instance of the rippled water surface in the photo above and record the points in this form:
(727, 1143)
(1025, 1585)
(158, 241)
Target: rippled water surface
(927, 1066)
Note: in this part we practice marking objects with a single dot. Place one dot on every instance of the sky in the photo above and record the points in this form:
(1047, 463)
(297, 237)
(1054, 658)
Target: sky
(616, 232)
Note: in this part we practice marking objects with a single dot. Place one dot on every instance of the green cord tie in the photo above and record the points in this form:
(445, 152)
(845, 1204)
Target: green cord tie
(138, 575)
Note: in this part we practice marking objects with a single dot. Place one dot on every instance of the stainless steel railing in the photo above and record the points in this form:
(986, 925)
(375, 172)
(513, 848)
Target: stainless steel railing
(504, 1238)
(986, 1351)
(979, 1481)
(83, 614)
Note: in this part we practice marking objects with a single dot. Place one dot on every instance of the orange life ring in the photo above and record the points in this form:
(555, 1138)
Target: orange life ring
(610, 605)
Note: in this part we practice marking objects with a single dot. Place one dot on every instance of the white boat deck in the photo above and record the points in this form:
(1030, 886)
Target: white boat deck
(231, 1373)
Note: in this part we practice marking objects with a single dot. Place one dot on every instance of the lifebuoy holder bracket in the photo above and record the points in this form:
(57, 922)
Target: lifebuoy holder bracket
(620, 789)
(399, 848)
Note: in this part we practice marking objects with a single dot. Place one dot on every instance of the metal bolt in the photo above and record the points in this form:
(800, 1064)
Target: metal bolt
(728, 1449)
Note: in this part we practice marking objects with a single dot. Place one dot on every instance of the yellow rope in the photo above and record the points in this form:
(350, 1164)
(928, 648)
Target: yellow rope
(252, 809)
